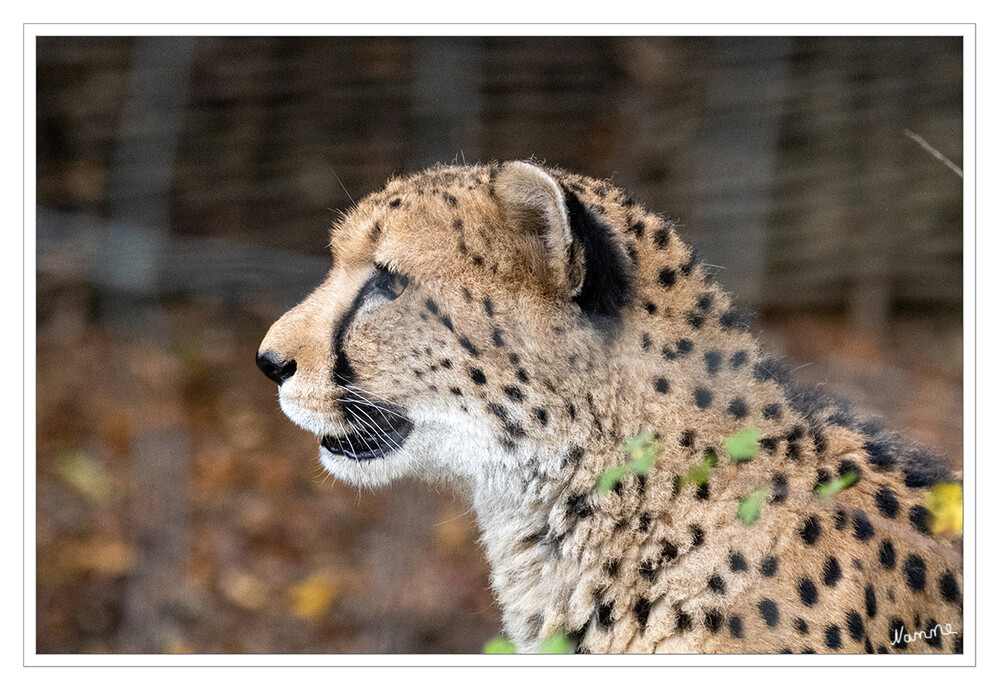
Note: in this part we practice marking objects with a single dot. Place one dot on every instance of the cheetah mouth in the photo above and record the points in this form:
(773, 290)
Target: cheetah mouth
(377, 430)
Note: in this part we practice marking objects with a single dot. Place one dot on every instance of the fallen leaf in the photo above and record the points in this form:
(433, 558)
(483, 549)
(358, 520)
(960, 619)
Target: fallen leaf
(312, 598)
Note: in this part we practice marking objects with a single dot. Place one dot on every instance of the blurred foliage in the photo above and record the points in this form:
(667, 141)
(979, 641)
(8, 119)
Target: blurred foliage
(749, 508)
(642, 451)
(699, 473)
(946, 506)
(831, 488)
(744, 445)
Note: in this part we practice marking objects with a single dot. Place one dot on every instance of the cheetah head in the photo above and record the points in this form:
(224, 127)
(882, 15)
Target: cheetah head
(463, 303)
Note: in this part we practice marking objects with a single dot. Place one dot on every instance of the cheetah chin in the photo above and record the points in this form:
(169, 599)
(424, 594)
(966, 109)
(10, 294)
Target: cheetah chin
(510, 329)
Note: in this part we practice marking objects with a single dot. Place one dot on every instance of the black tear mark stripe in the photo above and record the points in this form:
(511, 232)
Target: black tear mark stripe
(343, 372)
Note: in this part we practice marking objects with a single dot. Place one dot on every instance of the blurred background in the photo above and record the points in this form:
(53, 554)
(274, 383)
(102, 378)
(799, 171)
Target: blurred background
(185, 188)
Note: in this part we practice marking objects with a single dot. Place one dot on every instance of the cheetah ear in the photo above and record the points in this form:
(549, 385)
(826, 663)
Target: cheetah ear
(532, 200)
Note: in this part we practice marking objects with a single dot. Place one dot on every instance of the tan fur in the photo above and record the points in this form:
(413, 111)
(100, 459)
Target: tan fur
(492, 248)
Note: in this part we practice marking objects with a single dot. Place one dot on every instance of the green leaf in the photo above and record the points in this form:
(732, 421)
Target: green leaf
(557, 644)
(700, 473)
(844, 481)
(609, 477)
(499, 645)
(642, 451)
(744, 445)
(750, 506)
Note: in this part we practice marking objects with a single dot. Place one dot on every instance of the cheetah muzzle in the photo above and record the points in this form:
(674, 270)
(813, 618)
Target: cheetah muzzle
(510, 328)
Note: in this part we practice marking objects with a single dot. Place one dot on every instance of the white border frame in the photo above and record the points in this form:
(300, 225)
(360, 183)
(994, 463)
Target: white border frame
(31, 31)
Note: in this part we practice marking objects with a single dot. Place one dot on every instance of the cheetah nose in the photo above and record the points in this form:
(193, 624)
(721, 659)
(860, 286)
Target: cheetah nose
(276, 369)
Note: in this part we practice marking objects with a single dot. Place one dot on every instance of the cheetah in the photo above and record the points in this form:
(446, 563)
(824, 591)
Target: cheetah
(507, 328)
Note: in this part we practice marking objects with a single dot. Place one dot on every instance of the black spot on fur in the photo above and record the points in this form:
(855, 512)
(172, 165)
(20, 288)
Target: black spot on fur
(739, 359)
(605, 614)
(773, 411)
(541, 414)
(833, 640)
(692, 261)
(915, 573)
(578, 505)
(446, 320)
(695, 319)
(644, 521)
(831, 572)
(810, 530)
(683, 622)
(488, 304)
(477, 376)
(949, 589)
(735, 626)
(612, 566)
(702, 398)
(395, 203)
(878, 454)
(713, 620)
(646, 341)
(642, 608)
(840, 519)
(807, 591)
(769, 612)
(661, 238)
(704, 301)
(737, 318)
(513, 393)
(886, 502)
(687, 438)
(662, 385)
(738, 408)
(607, 283)
(467, 344)
(712, 361)
(499, 411)
(855, 625)
(697, 532)
(736, 562)
(669, 551)
(650, 307)
(919, 516)
(886, 554)
(933, 637)
(667, 277)
(716, 584)
(768, 567)
(647, 569)
(862, 528)
(498, 337)
(849, 467)
(870, 602)
(771, 370)
(780, 488)
(896, 631)
(801, 626)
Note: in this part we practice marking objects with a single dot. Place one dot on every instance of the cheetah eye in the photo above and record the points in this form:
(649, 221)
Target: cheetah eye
(388, 283)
